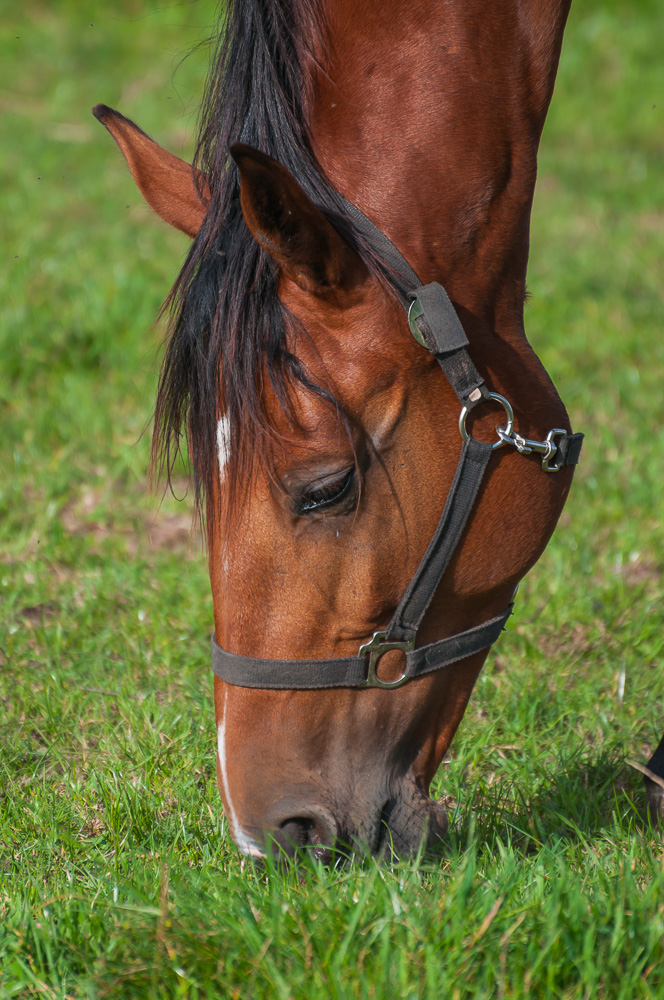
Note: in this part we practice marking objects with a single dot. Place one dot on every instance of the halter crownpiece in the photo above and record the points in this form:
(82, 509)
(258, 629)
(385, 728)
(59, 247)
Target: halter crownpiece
(435, 325)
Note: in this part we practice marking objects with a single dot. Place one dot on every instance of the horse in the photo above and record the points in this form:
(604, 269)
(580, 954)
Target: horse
(359, 205)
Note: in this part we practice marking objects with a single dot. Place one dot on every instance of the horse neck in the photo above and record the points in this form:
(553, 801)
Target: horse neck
(428, 117)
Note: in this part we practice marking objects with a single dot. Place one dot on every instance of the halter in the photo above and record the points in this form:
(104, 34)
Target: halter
(436, 326)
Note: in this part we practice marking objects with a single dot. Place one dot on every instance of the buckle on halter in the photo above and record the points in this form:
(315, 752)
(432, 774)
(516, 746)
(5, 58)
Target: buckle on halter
(414, 312)
(374, 650)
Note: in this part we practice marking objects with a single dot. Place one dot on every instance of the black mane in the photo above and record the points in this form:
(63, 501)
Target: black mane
(228, 327)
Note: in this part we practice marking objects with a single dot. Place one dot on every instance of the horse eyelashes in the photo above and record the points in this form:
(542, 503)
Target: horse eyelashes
(326, 495)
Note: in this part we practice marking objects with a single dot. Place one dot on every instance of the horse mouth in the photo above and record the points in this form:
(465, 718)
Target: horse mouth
(411, 823)
(408, 823)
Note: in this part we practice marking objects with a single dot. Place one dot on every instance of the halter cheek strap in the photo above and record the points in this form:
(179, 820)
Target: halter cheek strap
(436, 326)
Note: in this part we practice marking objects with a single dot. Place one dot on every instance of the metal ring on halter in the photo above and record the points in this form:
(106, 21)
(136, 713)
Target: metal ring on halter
(506, 405)
(375, 649)
(414, 313)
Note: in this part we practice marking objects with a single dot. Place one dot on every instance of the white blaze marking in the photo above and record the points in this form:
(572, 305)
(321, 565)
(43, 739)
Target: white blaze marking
(223, 444)
(243, 841)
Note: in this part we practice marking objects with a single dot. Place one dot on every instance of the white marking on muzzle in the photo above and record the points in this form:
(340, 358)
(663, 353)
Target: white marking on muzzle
(223, 445)
(243, 840)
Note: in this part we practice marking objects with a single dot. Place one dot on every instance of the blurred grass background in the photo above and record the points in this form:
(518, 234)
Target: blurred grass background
(117, 875)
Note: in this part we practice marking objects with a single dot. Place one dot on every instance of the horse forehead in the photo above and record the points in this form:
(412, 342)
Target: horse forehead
(357, 345)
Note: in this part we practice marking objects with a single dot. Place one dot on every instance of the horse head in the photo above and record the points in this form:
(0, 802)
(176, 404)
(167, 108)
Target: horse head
(327, 442)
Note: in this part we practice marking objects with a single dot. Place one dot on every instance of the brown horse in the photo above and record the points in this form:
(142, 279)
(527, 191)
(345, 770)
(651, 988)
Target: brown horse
(323, 436)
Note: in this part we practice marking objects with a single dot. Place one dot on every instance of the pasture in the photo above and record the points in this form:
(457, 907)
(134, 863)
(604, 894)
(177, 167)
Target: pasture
(117, 873)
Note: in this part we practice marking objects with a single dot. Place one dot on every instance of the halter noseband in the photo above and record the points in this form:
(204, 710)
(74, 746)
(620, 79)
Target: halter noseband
(436, 326)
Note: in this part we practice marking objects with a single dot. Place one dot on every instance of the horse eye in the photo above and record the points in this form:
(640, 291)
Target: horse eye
(326, 494)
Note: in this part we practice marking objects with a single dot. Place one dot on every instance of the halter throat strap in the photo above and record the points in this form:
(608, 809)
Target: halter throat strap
(435, 325)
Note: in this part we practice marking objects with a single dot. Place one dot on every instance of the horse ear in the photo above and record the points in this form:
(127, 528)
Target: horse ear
(168, 184)
(285, 221)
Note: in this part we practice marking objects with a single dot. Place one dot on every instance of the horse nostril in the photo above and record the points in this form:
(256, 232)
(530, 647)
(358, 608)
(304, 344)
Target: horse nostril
(291, 835)
(317, 832)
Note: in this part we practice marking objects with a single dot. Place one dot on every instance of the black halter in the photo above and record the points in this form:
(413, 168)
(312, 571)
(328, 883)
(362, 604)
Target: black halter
(436, 326)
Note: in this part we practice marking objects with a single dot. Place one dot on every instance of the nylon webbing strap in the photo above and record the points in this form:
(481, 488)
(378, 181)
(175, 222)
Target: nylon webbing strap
(460, 501)
(398, 270)
(438, 325)
(569, 449)
(351, 671)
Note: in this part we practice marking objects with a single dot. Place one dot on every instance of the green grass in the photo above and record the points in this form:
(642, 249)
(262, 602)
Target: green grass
(117, 874)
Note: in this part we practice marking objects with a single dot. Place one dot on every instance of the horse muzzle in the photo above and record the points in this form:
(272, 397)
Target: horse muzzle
(399, 826)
